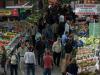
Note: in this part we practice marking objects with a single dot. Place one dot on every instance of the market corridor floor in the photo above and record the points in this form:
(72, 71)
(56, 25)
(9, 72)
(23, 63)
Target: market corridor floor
(38, 71)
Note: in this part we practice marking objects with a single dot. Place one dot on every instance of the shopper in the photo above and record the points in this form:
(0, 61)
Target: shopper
(63, 42)
(30, 62)
(56, 48)
(72, 68)
(3, 58)
(61, 18)
(34, 29)
(14, 64)
(61, 26)
(55, 30)
(67, 27)
(37, 36)
(48, 32)
(64, 63)
(64, 38)
(48, 61)
(69, 46)
(22, 49)
(40, 47)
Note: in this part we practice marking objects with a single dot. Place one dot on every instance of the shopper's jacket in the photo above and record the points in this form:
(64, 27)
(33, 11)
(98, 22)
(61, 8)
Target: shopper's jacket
(72, 69)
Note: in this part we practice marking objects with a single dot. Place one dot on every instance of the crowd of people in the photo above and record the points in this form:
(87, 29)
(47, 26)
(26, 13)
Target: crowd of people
(49, 43)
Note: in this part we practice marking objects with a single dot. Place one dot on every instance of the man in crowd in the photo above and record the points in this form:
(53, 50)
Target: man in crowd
(21, 51)
(56, 48)
(30, 61)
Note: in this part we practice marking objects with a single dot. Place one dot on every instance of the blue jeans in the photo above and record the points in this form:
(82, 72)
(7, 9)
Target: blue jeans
(47, 71)
(30, 68)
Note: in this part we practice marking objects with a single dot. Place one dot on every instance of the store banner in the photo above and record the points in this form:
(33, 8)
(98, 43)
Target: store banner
(87, 9)
(5, 12)
(94, 30)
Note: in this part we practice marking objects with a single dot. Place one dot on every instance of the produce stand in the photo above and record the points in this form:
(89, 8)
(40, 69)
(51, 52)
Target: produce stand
(86, 55)
(89, 34)
(11, 36)
(86, 59)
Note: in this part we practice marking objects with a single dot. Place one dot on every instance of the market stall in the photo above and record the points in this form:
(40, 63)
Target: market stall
(89, 34)
(11, 34)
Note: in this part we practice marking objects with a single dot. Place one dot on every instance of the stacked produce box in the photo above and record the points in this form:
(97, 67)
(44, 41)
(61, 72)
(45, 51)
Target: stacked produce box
(5, 38)
(86, 59)
(87, 55)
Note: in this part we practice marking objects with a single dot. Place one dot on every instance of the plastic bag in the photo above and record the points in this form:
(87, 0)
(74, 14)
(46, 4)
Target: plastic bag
(97, 65)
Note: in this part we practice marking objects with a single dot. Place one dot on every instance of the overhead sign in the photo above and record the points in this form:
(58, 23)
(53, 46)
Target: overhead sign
(20, 6)
(87, 9)
(5, 12)
(9, 12)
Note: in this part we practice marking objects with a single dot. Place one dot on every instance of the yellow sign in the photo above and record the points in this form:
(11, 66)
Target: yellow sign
(5, 12)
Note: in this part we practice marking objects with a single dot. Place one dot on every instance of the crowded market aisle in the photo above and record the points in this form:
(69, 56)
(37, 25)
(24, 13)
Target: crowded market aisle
(52, 39)
(39, 71)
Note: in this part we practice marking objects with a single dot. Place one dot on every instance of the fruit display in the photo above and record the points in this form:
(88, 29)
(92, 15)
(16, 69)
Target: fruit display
(6, 38)
(86, 58)
(10, 34)
(34, 17)
(89, 40)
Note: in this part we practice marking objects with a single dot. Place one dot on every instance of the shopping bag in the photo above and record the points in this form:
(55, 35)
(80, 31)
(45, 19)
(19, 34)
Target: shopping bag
(68, 73)
(97, 65)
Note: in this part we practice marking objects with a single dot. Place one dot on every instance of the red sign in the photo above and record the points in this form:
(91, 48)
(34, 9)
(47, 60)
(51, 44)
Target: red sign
(86, 13)
(15, 12)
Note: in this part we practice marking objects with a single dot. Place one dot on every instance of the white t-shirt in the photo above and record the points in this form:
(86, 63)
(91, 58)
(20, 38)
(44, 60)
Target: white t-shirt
(13, 59)
(56, 47)
(29, 58)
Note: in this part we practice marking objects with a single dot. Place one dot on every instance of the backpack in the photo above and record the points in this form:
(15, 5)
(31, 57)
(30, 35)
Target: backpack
(14, 59)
